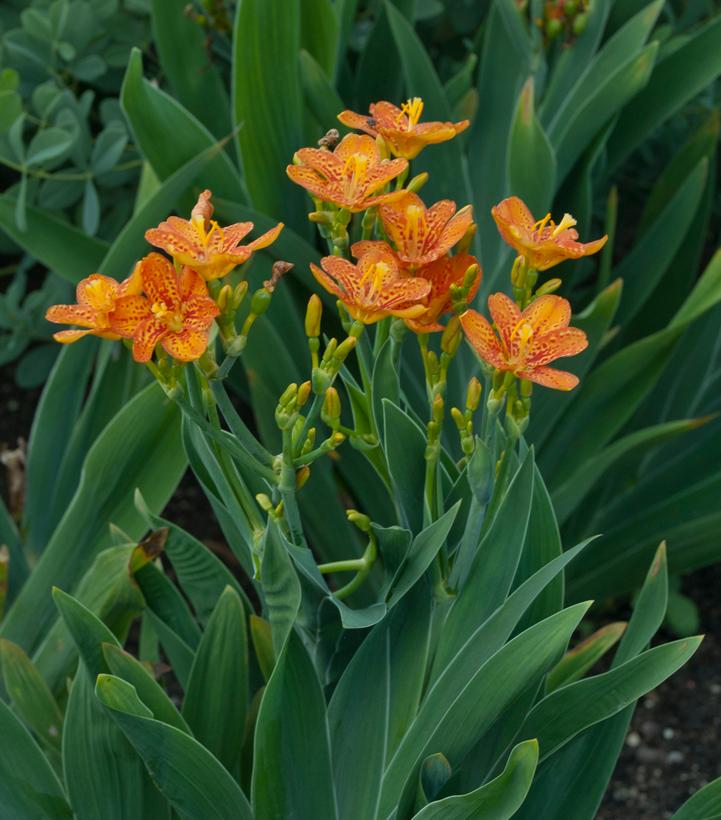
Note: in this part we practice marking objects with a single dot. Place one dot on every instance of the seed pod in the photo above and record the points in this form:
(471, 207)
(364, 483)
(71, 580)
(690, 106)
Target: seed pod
(260, 301)
(579, 23)
(553, 28)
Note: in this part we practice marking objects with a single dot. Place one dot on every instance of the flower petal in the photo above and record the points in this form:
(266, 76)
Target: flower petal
(160, 282)
(325, 163)
(72, 315)
(129, 312)
(191, 283)
(187, 345)
(147, 335)
(178, 237)
(361, 122)
(565, 341)
(506, 316)
(97, 292)
(480, 334)
(547, 313)
(328, 282)
(309, 179)
(550, 377)
(200, 312)
(66, 337)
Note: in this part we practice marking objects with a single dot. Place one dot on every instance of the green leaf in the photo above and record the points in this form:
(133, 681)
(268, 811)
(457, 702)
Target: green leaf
(187, 63)
(644, 267)
(186, 773)
(262, 636)
(30, 696)
(125, 666)
(405, 444)
(104, 776)
(493, 566)
(497, 800)
(577, 661)
(87, 631)
(28, 785)
(281, 587)
(367, 722)
(48, 145)
(266, 40)
(216, 697)
(704, 805)
(139, 448)
(609, 94)
(448, 176)
(169, 136)
(91, 208)
(67, 251)
(291, 766)
(564, 713)
(686, 70)
(460, 707)
(531, 159)
(319, 94)
(201, 576)
(320, 32)
(108, 147)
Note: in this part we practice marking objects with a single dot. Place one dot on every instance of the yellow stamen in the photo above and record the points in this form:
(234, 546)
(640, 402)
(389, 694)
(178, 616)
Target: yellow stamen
(376, 273)
(541, 224)
(415, 227)
(413, 109)
(567, 222)
(172, 319)
(354, 173)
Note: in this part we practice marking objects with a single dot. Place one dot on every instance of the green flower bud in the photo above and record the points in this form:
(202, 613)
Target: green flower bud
(313, 315)
(260, 301)
(579, 24)
(553, 28)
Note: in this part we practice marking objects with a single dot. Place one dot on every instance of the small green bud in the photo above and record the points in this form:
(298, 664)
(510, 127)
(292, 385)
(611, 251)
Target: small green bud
(313, 315)
(548, 287)
(570, 7)
(360, 520)
(473, 394)
(303, 393)
(579, 23)
(302, 476)
(241, 289)
(458, 419)
(225, 298)
(451, 337)
(260, 301)
(417, 182)
(553, 28)
(330, 411)
(320, 380)
(344, 348)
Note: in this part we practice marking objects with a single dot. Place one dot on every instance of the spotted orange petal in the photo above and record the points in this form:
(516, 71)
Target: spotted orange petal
(234, 234)
(565, 341)
(97, 292)
(263, 240)
(363, 246)
(66, 337)
(177, 236)
(547, 313)
(361, 122)
(328, 282)
(309, 179)
(506, 316)
(72, 315)
(187, 345)
(160, 282)
(550, 377)
(191, 283)
(129, 312)
(147, 335)
(480, 334)
(357, 144)
(325, 163)
(200, 312)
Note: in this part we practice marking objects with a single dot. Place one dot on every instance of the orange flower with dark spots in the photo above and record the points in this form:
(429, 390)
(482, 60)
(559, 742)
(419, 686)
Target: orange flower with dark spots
(421, 235)
(97, 296)
(542, 243)
(176, 311)
(442, 275)
(527, 341)
(351, 176)
(373, 288)
(201, 243)
(400, 127)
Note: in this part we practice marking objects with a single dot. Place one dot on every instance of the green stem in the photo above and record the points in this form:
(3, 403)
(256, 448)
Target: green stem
(286, 486)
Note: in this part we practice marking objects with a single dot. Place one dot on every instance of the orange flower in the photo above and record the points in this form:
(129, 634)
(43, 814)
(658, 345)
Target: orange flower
(542, 243)
(442, 274)
(351, 176)
(527, 341)
(201, 243)
(399, 127)
(176, 311)
(97, 296)
(373, 288)
(421, 235)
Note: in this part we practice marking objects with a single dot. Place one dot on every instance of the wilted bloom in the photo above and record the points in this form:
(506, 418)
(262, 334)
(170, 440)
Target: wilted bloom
(201, 243)
(375, 287)
(351, 176)
(421, 235)
(399, 127)
(442, 274)
(542, 243)
(527, 341)
(97, 296)
(176, 311)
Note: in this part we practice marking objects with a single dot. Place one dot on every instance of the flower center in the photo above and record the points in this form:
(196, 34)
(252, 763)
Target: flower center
(413, 109)
(100, 295)
(204, 234)
(373, 279)
(415, 228)
(546, 228)
(173, 319)
(355, 172)
(523, 335)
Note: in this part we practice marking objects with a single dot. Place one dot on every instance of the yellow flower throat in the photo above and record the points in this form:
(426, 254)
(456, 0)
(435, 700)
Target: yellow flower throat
(173, 319)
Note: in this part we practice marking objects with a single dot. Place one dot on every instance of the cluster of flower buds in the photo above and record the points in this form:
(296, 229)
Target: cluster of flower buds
(565, 19)
(464, 419)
